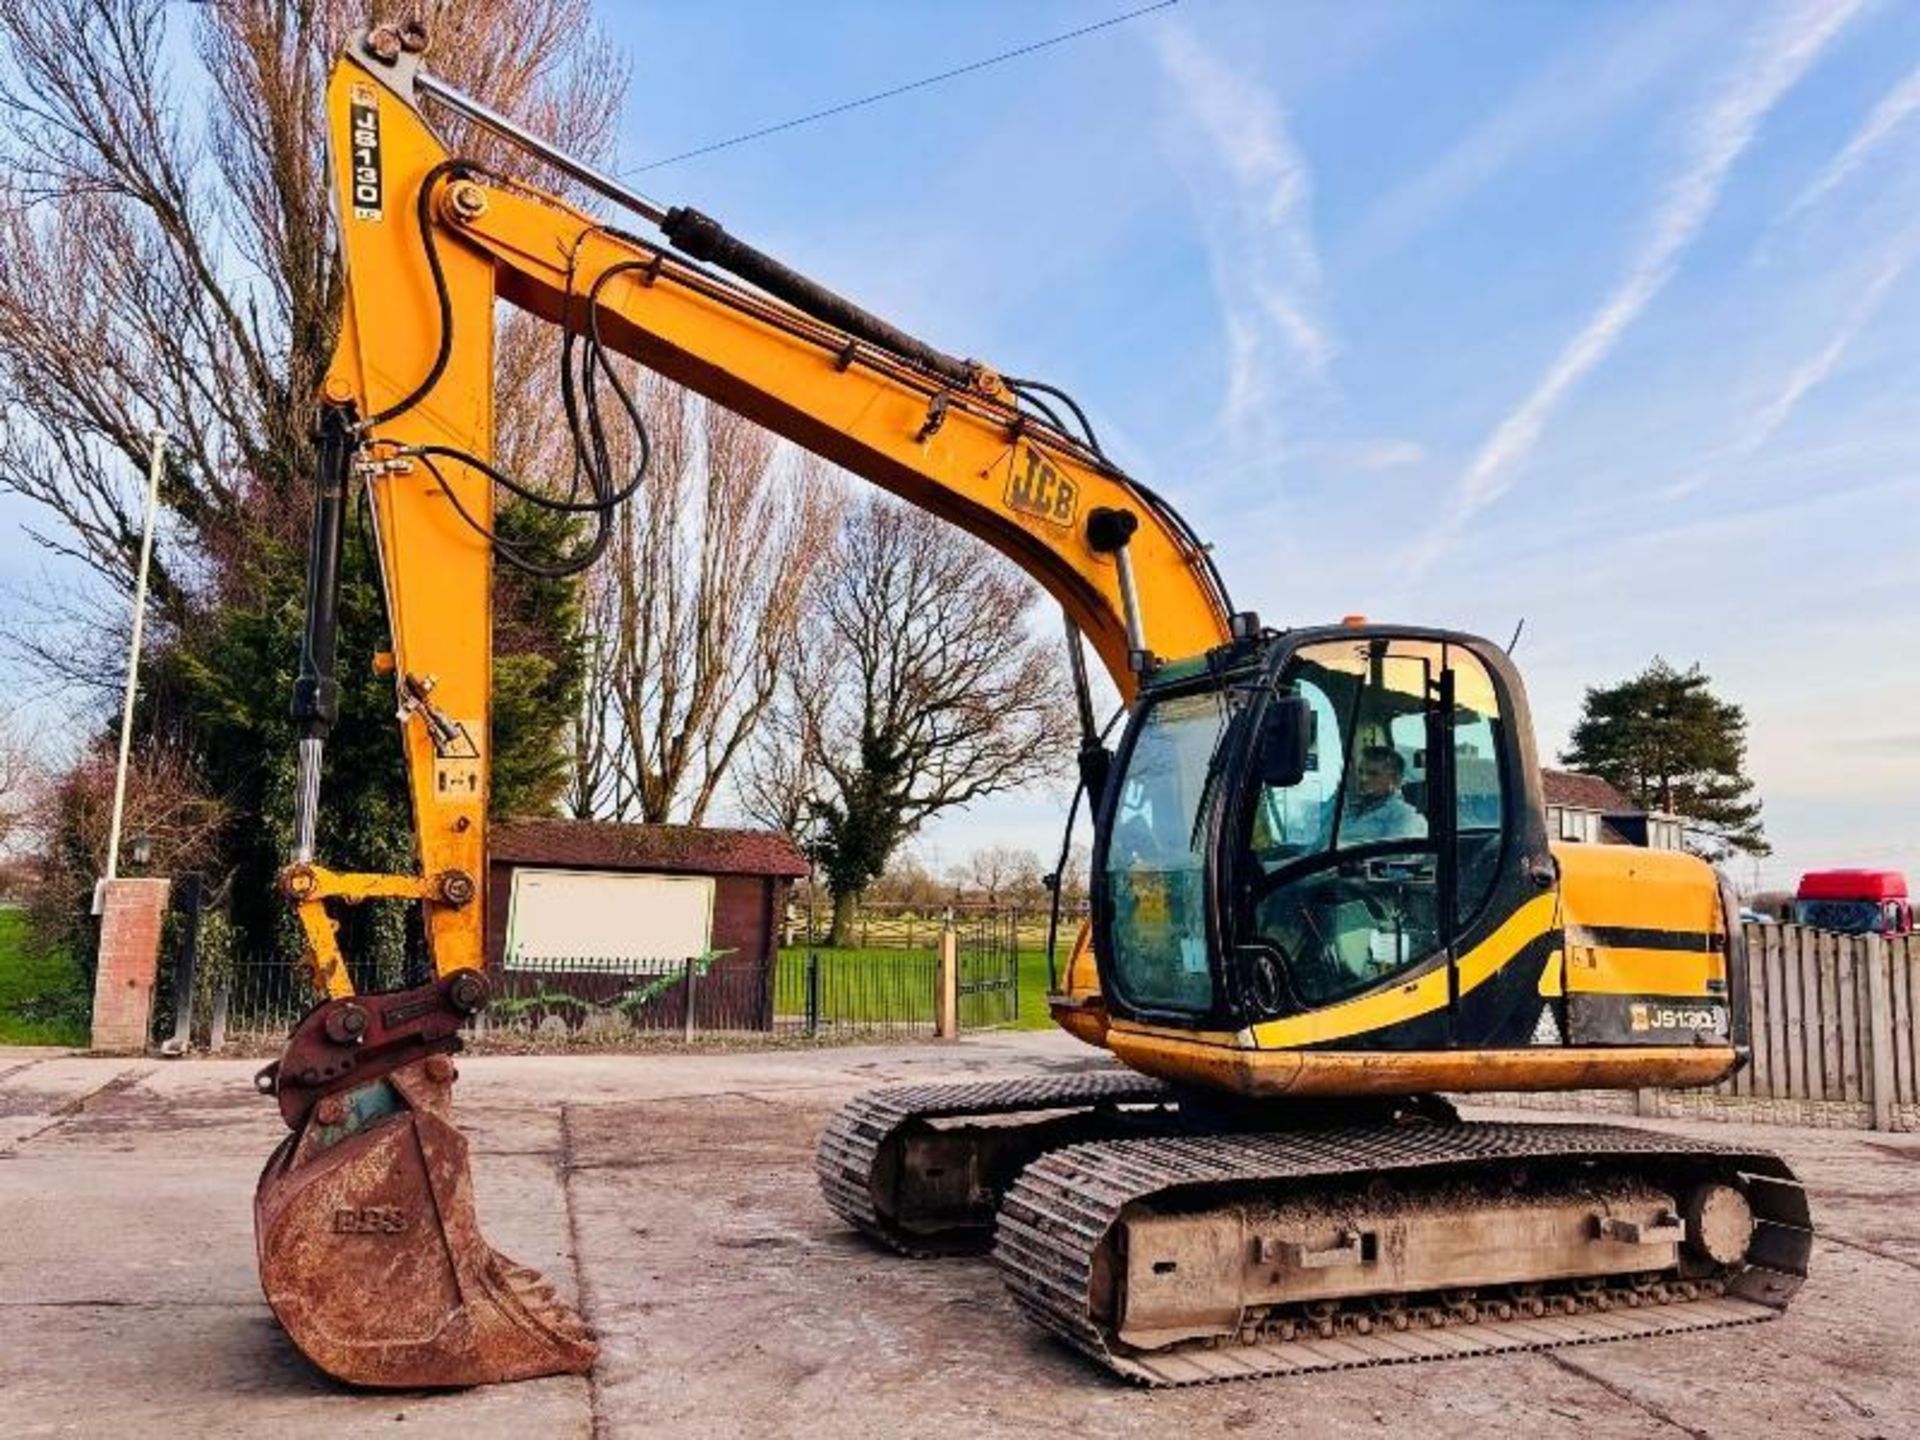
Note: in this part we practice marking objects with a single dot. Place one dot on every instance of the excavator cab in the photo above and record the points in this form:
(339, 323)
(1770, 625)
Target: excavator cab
(1313, 818)
(1321, 866)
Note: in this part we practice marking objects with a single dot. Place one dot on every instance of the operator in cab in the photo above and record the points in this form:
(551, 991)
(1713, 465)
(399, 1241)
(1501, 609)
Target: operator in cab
(1376, 810)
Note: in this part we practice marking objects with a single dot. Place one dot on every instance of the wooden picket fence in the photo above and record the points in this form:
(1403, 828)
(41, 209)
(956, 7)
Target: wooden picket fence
(1832, 1020)
(1834, 1032)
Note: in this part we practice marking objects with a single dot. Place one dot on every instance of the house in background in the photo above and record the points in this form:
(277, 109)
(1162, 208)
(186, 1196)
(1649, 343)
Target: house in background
(1586, 808)
(580, 898)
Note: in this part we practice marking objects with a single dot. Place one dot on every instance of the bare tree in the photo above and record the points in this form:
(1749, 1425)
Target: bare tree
(924, 690)
(909, 883)
(781, 782)
(997, 873)
(166, 801)
(157, 272)
(1075, 874)
(595, 785)
(21, 780)
(696, 613)
(778, 784)
(167, 259)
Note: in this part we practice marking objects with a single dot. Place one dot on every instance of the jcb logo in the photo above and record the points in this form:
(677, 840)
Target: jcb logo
(1036, 488)
(363, 123)
(369, 1220)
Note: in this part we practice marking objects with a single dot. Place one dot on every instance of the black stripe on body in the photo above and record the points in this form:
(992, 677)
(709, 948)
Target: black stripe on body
(1634, 937)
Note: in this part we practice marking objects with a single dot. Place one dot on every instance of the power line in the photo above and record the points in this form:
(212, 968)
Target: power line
(920, 84)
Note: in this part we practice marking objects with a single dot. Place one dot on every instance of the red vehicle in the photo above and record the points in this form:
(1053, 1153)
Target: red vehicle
(1858, 902)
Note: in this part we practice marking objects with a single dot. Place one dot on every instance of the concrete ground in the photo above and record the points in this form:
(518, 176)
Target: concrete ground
(674, 1196)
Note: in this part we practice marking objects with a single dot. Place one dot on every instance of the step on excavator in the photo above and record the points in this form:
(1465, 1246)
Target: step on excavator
(1323, 893)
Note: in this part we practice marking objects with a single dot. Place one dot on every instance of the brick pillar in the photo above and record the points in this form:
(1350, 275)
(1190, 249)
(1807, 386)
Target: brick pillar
(131, 914)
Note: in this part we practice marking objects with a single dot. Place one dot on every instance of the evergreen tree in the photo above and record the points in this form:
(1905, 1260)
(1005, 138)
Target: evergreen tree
(218, 694)
(1664, 739)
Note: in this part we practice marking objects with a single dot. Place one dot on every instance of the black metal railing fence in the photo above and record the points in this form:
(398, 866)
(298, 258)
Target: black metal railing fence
(878, 990)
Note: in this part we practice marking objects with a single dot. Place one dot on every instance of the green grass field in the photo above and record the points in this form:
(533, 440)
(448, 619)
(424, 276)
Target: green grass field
(43, 997)
(879, 986)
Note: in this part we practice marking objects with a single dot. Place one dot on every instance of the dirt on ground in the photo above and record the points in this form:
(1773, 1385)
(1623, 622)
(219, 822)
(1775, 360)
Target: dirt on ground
(674, 1197)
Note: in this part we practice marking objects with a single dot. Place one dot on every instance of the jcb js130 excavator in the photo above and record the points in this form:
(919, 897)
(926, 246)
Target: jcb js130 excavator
(1322, 891)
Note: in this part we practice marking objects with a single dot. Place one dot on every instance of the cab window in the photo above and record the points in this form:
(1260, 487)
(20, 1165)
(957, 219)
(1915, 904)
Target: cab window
(1154, 866)
(1342, 885)
(1479, 797)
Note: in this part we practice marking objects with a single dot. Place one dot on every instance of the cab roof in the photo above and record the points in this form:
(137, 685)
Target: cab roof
(1853, 885)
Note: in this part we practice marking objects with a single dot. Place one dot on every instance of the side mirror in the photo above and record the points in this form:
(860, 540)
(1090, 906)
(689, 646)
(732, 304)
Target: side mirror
(1286, 741)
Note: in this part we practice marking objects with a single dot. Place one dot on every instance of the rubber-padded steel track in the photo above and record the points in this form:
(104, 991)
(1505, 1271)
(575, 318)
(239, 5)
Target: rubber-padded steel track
(1058, 1215)
(848, 1158)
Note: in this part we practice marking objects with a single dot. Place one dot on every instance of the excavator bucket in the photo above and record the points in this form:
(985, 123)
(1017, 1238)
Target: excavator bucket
(370, 1249)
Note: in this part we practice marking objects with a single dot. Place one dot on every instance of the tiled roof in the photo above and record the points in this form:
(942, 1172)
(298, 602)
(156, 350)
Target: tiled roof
(676, 849)
(1583, 792)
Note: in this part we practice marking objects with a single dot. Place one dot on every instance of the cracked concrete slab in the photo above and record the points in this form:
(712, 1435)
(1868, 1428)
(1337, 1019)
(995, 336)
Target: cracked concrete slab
(673, 1195)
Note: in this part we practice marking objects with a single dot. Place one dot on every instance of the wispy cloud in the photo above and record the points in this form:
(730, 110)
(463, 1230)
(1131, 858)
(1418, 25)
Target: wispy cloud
(1781, 53)
(1606, 68)
(1813, 371)
(1265, 266)
(1886, 118)
(1817, 367)
(1366, 453)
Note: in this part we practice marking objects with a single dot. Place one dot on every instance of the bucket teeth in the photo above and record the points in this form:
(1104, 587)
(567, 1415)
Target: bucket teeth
(535, 1293)
(372, 1258)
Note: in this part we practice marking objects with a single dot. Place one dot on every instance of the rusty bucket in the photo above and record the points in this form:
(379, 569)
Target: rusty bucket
(370, 1250)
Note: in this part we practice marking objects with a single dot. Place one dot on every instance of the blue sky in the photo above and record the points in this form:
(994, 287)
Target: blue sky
(1600, 315)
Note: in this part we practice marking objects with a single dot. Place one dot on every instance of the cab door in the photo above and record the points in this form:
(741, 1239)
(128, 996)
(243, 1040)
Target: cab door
(1359, 892)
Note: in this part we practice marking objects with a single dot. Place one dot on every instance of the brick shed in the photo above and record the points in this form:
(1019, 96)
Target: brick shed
(642, 895)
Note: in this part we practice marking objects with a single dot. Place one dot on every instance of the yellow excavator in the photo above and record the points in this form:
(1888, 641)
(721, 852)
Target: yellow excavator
(1323, 893)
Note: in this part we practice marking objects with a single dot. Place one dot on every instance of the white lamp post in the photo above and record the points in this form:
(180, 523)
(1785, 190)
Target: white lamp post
(133, 659)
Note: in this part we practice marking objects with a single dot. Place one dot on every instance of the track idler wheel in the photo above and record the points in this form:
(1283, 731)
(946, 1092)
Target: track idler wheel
(370, 1250)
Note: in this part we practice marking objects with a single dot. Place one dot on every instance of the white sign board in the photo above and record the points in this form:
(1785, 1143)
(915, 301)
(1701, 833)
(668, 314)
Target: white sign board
(582, 914)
